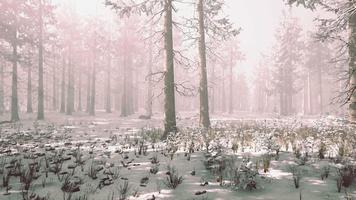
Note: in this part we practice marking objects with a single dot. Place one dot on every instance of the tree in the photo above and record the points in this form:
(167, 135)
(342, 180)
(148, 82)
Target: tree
(210, 22)
(2, 107)
(288, 59)
(15, 29)
(164, 9)
(40, 100)
(63, 87)
(333, 28)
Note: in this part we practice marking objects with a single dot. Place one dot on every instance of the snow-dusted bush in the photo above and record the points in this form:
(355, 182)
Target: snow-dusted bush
(173, 179)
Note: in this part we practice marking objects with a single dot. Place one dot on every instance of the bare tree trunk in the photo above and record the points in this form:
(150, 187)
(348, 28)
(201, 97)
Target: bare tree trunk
(93, 92)
(40, 107)
(203, 89)
(108, 88)
(320, 77)
(212, 102)
(352, 66)
(2, 106)
(54, 85)
(149, 100)
(305, 97)
(124, 100)
(223, 94)
(14, 97)
(80, 93)
(29, 90)
(231, 108)
(88, 93)
(63, 85)
(169, 85)
(70, 89)
(310, 100)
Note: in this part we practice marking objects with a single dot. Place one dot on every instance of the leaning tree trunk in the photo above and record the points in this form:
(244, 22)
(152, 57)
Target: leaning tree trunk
(2, 106)
(203, 89)
(40, 100)
(14, 98)
(352, 67)
(169, 86)
(29, 90)
(63, 88)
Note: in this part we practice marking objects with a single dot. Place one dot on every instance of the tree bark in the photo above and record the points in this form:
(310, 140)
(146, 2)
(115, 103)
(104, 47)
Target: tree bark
(88, 93)
(169, 85)
(54, 85)
(149, 100)
(203, 89)
(40, 101)
(231, 108)
(320, 77)
(108, 88)
(70, 89)
(2, 106)
(14, 97)
(63, 87)
(92, 96)
(29, 90)
(80, 93)
(352, 66)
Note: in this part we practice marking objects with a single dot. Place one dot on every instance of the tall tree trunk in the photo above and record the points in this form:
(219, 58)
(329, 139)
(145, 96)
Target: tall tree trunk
(92, 97)
(2, 106)
(352, 66)
(29, 90)
(223, 94)
(310, 99)
(108, 88)
(80, 93)
(70, 89)
(149, 100)
(320, 77)
(169, 85)
(14, 97)
(54, 85)
(124, 99)
(212, 102)
(88, 93)
(40, 107)
(231, 108)
(63, 87)
(305, 97)
(203, 89)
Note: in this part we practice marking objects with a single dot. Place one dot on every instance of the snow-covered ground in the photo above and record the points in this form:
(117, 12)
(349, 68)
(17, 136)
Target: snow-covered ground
(83, 157)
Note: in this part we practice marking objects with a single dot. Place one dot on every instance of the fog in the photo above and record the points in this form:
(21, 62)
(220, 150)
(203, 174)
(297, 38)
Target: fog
(177, 99)
(83, 37)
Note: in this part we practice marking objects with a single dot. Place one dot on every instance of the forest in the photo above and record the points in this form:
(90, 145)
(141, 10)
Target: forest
(177, 99)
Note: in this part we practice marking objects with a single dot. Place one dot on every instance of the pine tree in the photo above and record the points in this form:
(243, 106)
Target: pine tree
(288, 59)
(334, 29)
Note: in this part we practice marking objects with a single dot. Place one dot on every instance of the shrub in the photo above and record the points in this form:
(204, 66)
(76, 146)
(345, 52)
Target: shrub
(173, 179)
(296, 174)
(124, 190)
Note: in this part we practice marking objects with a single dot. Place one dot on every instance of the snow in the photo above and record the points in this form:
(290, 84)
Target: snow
(262, 137)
